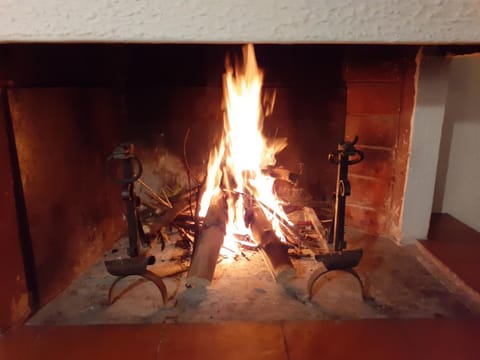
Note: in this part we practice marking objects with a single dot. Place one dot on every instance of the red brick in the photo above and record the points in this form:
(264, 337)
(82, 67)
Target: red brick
(372, 70)
(373, 98)
(377, 163)
(369, 220)
(373, 130)
(371, 192)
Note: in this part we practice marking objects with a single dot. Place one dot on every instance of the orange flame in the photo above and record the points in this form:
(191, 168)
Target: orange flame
(236, 166)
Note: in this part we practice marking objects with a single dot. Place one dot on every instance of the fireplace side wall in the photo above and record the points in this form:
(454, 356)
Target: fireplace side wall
(380, 98)
(62, 137)
(14, 305)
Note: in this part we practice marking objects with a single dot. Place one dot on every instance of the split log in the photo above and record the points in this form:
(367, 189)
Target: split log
(276, 252)
(311, 216)
(210, 240)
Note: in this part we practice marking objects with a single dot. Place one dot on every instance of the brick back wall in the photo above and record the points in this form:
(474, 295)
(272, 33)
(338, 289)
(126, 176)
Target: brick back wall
(380, 93)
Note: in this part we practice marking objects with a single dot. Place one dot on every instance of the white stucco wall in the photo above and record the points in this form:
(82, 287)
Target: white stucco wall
(279, 21)
(458, 186)
(426, 133)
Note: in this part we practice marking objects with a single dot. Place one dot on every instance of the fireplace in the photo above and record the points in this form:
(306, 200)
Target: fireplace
(66, 107)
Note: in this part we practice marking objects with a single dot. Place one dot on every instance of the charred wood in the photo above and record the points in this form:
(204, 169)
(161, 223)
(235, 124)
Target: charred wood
(209, 243)
(276, 252)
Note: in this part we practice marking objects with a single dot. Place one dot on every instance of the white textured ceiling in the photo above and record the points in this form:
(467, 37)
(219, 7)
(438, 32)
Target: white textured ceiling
(270, 21)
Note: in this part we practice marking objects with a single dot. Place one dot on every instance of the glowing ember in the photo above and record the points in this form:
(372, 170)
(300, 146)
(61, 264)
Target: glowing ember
(236, 165)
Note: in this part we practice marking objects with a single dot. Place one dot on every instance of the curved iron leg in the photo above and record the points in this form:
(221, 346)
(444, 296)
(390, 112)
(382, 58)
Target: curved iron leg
(317, 274)
(159, 283)
(148, 275)
(110, 291)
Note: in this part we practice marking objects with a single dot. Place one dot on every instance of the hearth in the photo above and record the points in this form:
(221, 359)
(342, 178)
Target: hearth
(66, 107)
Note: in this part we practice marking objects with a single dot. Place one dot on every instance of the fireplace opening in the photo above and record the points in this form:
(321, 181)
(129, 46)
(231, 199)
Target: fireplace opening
(67, 108)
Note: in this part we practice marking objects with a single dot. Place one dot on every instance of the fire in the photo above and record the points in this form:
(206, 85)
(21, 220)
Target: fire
(236, 165)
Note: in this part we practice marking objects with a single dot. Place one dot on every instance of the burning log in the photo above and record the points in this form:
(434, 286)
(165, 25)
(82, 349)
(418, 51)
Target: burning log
(235, 167)
(276, 252)
(281, 173)
(209, 243)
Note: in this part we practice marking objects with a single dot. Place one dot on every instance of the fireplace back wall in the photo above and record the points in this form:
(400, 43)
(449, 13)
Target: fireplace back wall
(309, 110)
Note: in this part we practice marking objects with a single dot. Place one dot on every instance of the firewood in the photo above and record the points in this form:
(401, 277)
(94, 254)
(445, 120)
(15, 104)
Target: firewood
(164, 201)
(168, 270)
(207, 246)
(281, 173)
(311, 216)
(170, 214)
(276, 252)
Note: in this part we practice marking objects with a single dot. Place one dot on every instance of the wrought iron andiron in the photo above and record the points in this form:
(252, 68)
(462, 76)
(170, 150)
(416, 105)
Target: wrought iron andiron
(340, 259)
(138, 244)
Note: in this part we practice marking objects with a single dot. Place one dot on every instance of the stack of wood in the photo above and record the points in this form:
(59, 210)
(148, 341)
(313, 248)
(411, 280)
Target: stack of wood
(207, 234)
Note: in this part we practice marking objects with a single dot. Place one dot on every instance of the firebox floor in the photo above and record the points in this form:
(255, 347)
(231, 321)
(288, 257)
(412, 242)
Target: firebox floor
(244, 290)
